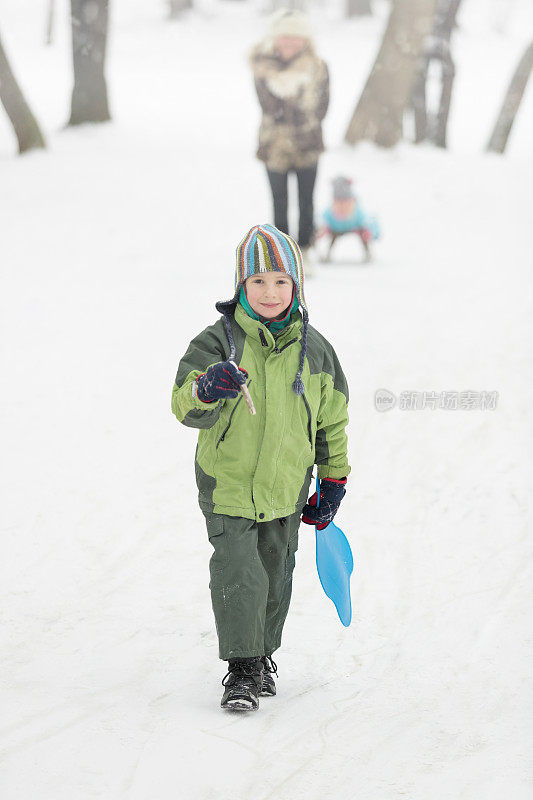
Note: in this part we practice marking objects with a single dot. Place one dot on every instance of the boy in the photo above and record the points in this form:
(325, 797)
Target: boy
(253, 470)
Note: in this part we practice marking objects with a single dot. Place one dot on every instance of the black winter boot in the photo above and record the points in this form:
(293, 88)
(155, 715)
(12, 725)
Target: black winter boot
(242, 684)
(268, 687)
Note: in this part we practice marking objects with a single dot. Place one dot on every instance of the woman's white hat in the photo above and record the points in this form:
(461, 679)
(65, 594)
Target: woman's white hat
(287, 22)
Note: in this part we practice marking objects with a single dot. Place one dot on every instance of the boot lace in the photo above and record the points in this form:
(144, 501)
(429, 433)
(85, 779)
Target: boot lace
(242, 668)
(269, 665)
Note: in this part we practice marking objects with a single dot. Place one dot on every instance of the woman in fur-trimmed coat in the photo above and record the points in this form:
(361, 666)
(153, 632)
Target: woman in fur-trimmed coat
(292, 85)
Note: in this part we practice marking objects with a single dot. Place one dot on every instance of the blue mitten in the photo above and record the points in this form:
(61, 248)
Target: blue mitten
(331, 493)
(220, 381)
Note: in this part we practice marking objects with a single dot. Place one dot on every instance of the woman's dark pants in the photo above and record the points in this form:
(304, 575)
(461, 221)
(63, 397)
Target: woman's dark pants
(306, 183)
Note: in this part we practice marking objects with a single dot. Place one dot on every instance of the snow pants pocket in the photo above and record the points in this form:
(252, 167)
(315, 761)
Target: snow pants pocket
(292, 547)
(215, 531)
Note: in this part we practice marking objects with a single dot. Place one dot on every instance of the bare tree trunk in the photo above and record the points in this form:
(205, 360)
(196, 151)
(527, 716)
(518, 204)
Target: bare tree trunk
(176, 7)
(419, 101)
(379, 113)
(445, 23)
(358, 8)
(511, 103)
(432, 126)
(89, 37)
(446, 18)
(50, 21)
(26, 128)
(441, 120)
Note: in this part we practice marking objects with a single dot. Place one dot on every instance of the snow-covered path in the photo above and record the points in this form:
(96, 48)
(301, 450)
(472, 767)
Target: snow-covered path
(112, 256)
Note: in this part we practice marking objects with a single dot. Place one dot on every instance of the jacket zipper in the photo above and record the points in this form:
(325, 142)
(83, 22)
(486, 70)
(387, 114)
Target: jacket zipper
(259, 450)
(276, 350)
(309, 426)
(233, 410)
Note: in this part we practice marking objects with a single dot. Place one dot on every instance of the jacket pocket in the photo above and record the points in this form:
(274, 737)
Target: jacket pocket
(233, 410)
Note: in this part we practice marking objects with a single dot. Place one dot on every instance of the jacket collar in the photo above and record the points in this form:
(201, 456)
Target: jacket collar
(256, 330)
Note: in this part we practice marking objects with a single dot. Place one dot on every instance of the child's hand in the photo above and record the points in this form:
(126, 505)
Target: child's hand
(220, 381)
(331, 493)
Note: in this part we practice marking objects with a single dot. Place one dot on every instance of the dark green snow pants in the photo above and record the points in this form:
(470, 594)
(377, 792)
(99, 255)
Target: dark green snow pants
(251, 581)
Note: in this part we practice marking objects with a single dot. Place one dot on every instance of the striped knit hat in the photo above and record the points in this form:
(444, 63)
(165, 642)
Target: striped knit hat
(266, 249)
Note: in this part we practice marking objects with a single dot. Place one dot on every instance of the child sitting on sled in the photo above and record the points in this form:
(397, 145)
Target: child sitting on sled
(253, 470)
(345, 215)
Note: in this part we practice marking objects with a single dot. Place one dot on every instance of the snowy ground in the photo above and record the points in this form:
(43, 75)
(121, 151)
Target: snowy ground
(114, 245)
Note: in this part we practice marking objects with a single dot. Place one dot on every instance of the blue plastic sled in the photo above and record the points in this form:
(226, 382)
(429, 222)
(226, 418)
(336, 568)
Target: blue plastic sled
(334, 562)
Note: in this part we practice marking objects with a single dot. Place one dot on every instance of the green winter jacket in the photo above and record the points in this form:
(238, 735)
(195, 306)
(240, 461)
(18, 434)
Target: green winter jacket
(260, 466)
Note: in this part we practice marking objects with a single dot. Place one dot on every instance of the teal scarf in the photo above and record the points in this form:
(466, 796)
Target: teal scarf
(274, 325)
